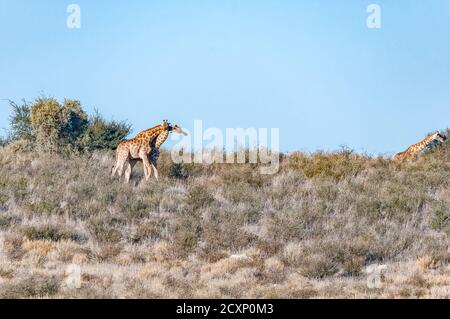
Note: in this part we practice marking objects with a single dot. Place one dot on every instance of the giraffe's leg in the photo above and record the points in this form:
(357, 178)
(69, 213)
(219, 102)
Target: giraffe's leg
(155, 170)
(154, 155)
(147, 168)
(121, 158)
(130, 166)
(114, 168)
(150, 167)
(120, 167)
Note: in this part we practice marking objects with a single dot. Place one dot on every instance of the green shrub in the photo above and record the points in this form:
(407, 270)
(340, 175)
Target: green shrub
(318, 266)
(199, 197)
(440, 219)
(295, 224)
(185, 232)
(325, 258)
(335, 165)
(47, 205)
(58, 127)
(107, 251)
(31, 287)
(4, 141)
(149, 230)
(75, 121)
(247, 174)
(20, 122)
(178, 171)
(223, 230)
(102, 134)
(52, 232)
(12, 245)
(135, 208)
(7, 220)
(105, 229)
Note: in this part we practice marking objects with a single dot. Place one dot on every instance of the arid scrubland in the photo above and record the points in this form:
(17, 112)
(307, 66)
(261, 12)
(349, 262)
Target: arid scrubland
(224, 230)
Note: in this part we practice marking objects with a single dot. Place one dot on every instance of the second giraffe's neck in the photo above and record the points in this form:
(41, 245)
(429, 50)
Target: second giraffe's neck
(161, 138)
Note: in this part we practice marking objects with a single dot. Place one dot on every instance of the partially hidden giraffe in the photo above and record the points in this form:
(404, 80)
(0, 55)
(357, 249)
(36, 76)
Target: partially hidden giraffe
(144, 147)
(423, 146)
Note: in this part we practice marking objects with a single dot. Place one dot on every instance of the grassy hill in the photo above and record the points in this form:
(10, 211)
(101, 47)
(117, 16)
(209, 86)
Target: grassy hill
(310, 230)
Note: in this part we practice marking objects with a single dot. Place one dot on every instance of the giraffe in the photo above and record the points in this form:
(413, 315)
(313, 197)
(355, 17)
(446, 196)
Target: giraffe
(154, 152)
(142, 148)
(426, 144)
(138, 147)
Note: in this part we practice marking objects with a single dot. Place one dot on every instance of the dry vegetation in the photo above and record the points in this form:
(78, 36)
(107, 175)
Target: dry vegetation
(218, 231)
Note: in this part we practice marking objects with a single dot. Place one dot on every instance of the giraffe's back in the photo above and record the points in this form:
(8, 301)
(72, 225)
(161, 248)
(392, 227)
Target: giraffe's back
(127, 149)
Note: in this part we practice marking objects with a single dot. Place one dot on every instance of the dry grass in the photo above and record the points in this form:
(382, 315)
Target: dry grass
(218, 231)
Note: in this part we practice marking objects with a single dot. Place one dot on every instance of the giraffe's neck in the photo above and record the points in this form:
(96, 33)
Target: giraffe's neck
(162, 137)
(422, 145)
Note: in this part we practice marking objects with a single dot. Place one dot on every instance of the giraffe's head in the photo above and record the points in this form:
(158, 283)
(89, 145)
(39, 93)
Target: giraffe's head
(439, 137)
(165, 124)
(176, 129)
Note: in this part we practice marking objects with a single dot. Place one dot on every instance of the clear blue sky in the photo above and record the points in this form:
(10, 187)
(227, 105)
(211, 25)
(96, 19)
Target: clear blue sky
(311, 68)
